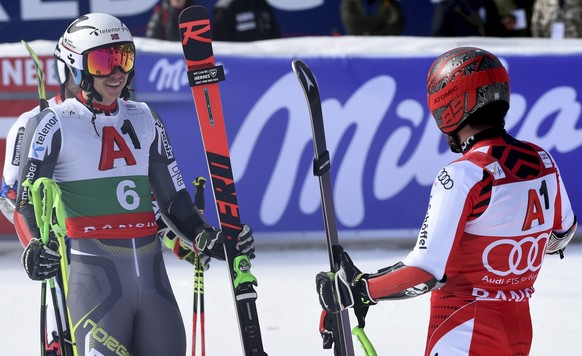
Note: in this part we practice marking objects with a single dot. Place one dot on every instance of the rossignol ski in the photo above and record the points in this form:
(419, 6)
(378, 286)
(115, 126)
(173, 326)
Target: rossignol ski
(321, 168)
(203, 76)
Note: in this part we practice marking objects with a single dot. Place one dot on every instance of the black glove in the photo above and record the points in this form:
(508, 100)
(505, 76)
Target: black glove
(210, 242)
(41, 261)
(246, 242)
(325, 329)
(348, 288)
(181, 249)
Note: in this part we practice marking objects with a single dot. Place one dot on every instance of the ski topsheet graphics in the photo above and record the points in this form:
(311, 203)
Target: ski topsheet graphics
(203, 76)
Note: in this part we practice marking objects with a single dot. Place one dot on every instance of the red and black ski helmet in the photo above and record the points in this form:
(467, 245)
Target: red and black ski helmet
(463, 80)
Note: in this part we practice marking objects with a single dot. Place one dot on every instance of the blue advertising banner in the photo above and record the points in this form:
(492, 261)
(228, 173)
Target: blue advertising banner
(384, 145)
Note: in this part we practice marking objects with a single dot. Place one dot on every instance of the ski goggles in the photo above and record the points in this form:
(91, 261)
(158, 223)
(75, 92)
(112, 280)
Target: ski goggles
(102, 61)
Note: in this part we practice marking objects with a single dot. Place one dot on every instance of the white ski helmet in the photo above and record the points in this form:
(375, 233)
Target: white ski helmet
(60, 65)
(95, 44)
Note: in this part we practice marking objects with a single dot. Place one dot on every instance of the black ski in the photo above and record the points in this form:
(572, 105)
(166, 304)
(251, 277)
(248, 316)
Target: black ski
(321, 168)
(204, 76)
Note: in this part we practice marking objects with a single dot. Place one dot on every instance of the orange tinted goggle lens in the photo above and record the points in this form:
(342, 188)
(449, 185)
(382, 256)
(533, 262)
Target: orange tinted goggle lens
(102, 61)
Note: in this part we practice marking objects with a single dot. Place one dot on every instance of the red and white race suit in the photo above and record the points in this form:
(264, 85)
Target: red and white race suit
(488, 222)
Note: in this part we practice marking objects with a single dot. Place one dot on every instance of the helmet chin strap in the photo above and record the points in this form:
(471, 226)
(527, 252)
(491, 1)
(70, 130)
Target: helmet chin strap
(453, 141)
(90, 98)
(457, 146)
(92, 94)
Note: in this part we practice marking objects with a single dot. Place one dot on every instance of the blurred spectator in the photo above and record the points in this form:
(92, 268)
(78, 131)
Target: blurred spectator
(516, 16)
(557, 18)
(376, 18)
(244, 21)
(457, 18)
(163, 24)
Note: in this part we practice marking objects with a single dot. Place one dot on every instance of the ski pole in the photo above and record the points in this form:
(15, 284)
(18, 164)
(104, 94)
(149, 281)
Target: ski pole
(199, 185)
(43, 104)
(42, 211)
(49, 215)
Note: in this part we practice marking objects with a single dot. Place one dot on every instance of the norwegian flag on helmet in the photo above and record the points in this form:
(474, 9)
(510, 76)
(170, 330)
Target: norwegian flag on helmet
(115, 36)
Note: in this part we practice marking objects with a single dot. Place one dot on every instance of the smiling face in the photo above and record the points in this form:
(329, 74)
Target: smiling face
(110, 87)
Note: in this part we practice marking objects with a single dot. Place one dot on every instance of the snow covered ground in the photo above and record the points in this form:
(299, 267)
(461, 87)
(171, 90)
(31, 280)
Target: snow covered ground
(289, 309)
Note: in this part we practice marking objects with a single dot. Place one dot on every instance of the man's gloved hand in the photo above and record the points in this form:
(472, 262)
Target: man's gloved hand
(210, 242)
(348, 288)
(41, 261)
(181, 249)
(246, 242)
(325, 329)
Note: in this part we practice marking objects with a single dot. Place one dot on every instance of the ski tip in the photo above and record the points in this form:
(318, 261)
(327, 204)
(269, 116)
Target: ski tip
(28, 48)
(297, 63)
(193, 12)
(304, 75)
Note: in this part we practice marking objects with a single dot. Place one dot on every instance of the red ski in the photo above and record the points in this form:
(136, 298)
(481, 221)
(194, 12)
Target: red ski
(203, 76)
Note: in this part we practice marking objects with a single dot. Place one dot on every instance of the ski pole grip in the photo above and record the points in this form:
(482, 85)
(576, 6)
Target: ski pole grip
(364, 341)
(199, 185)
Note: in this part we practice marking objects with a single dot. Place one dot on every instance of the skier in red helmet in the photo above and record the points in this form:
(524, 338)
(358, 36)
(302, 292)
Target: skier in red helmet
(492, 216)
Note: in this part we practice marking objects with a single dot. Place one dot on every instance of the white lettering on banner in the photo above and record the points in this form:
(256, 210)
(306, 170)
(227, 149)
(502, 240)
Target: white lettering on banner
(48, 10)
(295, 5)
(30, 75)
(22, 71)
(33, 10)
(12, 72)
(413, 150)
(122, 7)
(563, 135)
(391, 172)
(376, 95)
(168, 76)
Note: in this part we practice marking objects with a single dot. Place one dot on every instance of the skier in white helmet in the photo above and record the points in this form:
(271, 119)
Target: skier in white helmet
(13, 156)
(107, 154)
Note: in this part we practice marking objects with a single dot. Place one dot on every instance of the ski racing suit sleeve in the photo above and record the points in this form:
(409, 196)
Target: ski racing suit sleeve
(424, 267)
(38, 163)
(14, 154)
(451, 199)
(168, 186)
(565, 218)
(565, 221)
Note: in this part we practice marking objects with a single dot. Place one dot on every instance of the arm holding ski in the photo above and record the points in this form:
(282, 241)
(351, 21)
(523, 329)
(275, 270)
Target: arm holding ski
(16, 152)
(179, 247)
(350, 288)
(7, 201)
(568, 223)
(339, 291)
(176, 207)
(41, 261)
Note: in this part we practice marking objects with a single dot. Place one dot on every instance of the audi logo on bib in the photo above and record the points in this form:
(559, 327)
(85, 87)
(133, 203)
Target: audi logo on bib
(517, 257)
